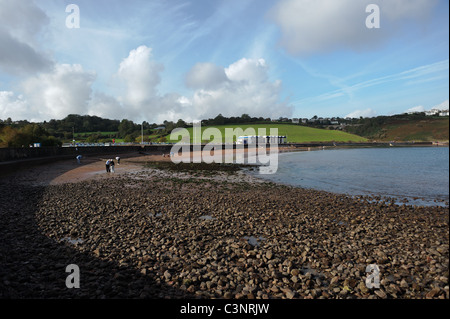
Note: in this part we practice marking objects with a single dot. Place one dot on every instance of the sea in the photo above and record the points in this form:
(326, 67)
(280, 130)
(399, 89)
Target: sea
(419, 175)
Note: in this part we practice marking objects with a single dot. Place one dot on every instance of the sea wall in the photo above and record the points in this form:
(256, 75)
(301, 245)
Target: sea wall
(28, 153)
(25, 153)
(14, 154)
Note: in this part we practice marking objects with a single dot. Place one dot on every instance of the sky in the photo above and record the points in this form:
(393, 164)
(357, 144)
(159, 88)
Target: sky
(194, 59)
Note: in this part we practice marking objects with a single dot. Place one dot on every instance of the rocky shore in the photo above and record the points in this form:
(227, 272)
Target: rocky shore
(158, 233)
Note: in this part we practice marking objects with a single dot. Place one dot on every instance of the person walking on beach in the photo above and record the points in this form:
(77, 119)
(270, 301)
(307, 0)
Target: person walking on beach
(79, 159)
(111, 164)
(118, 160)
(108, 162)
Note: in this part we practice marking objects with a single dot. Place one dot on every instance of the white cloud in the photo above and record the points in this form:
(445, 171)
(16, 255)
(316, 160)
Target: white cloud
(65, 90)
(311, 26)
(247, 89)
(242, 87)
(12, 106)
(140, 75)
(105, 106)
(362, 113)
(248, 70)
(442, 106)
(205, 76)
(53, 95)
(415, 109)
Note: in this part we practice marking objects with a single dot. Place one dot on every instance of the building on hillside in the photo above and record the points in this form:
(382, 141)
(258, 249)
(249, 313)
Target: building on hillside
(432, 112)
(250, 140)
(444, 113)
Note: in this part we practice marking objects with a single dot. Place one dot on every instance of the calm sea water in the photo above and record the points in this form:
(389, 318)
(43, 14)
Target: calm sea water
(409, 172)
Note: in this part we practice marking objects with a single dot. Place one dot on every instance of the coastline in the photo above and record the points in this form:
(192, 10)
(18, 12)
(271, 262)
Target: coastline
(400, 196)
(150, 233)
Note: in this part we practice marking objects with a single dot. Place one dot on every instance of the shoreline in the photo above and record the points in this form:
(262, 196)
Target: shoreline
(146, 233)
(93, 168)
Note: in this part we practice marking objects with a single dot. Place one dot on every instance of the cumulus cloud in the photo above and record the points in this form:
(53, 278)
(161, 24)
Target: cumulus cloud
(246, 89)
(20, 52)
(140, 74)
(415, 109)
(441, 106)
(242, 87)
(65, 90)
(248, 70)
(205, 76)
(12, 106)
(321, 26)
(362, 113)
(51, 95)
(139, 77)
(105, 106)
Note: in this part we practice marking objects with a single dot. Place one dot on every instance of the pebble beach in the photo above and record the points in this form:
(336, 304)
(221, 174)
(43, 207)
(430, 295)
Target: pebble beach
(149, 232)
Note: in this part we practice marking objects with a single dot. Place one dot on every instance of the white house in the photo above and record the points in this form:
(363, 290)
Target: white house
(432, 112)
(444, 113)
(246, 140)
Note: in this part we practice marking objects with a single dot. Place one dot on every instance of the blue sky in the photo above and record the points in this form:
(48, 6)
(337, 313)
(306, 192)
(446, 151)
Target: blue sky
(170, 59)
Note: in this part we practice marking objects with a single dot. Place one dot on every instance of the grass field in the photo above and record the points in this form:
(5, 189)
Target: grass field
(105, 134)
(294, 133)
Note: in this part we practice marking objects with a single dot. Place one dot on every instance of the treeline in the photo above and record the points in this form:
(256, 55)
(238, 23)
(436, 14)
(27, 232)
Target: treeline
(26, 135)
(243, 119)
(93, 129)
(86, 128)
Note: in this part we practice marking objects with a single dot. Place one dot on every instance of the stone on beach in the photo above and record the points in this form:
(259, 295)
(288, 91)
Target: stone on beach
(146, 235)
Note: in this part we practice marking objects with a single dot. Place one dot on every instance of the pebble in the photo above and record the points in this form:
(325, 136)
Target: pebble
(144, 233)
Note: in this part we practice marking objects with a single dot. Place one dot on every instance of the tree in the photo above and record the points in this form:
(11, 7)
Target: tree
(93, 138)
(126, 127)
(181, 123)
(129, 138)
(219, 120)
(245, 118)
(29, 134)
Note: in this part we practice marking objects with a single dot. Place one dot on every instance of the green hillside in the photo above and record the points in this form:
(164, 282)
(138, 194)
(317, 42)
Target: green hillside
(423, 130)
(403, 128)
(294, 133)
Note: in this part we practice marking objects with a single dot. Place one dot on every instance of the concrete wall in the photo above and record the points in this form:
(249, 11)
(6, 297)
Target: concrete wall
(15, 154)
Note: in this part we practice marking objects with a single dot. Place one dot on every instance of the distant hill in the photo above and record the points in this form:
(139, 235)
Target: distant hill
(421, 130)
(397, 128)
(294, 133)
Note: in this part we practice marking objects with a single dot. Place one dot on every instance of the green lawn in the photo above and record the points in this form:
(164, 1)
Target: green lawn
(90, 133)
(294, 133)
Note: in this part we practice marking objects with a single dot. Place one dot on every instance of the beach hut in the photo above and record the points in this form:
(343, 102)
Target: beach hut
(247, 140)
